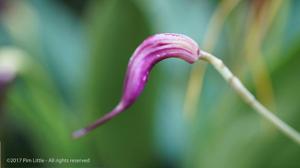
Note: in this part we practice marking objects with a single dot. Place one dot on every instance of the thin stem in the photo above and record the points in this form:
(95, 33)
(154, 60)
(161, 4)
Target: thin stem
(237, 85)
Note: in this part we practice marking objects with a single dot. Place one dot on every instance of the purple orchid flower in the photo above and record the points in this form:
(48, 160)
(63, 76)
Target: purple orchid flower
(153, 50)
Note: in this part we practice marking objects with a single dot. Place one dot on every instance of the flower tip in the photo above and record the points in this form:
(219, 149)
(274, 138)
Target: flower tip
(79, 133)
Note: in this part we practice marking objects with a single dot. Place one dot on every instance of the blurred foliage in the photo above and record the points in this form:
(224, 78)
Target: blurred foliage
(77, 53)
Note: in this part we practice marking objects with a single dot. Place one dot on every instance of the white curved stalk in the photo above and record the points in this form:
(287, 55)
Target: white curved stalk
(237, 85)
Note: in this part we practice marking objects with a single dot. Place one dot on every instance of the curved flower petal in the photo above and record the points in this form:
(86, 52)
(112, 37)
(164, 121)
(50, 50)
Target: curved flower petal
(154, 49)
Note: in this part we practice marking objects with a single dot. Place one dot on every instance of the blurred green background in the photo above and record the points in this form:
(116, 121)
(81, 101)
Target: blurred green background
(75, 58)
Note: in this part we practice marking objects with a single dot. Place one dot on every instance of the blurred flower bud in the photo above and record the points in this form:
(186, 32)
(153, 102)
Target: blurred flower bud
(10, 65)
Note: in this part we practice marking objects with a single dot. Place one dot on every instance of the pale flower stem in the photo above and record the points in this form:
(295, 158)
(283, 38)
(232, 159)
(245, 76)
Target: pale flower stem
(236, 84)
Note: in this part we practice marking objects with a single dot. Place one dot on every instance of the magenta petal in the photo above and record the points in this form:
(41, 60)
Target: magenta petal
(154, 49)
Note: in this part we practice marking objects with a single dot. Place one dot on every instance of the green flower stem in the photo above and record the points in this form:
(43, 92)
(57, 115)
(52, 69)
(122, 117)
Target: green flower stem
(237, 85)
